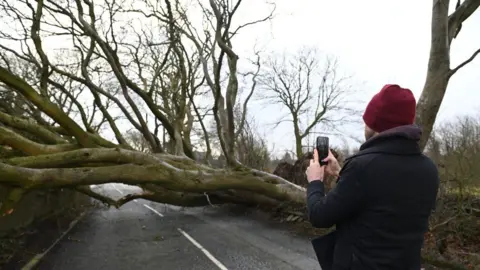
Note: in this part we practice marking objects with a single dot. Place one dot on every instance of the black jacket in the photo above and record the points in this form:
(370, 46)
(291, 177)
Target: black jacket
(380, 205)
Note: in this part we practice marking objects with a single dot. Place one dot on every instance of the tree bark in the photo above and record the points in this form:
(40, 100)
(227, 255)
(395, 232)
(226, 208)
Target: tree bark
(163, 177)
(443, 30)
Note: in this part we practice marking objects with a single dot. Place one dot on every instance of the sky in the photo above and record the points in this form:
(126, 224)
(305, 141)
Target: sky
(376, 41)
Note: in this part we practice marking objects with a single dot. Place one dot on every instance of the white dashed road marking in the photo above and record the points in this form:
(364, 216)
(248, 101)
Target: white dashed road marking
(208, 254)
(195, 243)
(153, 210)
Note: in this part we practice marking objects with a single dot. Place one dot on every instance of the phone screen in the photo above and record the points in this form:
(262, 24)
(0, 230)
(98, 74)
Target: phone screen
(322, 146)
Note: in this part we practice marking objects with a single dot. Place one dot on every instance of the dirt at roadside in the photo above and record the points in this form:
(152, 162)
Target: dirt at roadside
(19, 247)
(300, 226)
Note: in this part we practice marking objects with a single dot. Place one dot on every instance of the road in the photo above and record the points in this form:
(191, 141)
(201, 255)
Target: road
(146, 235)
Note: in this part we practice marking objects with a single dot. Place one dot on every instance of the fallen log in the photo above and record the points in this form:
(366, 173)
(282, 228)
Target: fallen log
(163, 178)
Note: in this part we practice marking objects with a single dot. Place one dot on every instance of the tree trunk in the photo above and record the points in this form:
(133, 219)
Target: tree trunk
(298, 138)
(443, 30)
(164, 178)
(438, 71)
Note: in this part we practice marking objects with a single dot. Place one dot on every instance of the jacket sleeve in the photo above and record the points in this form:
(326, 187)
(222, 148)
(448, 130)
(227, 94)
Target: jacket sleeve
(343, 201)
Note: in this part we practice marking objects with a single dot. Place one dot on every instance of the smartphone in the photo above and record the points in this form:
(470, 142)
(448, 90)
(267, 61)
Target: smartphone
(322, 149)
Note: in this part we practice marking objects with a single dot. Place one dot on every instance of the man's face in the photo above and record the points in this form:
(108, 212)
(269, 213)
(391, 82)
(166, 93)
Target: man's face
(369, 133)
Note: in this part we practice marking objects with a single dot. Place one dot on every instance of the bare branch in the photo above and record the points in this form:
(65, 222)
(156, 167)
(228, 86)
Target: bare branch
(46, 106)
(464, 63)
(311, 94)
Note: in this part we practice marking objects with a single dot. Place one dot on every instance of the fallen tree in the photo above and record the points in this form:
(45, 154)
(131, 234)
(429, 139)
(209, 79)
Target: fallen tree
(51, 138)
(164, 178)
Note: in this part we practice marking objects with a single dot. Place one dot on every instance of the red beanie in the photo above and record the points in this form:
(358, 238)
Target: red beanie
(393, 106)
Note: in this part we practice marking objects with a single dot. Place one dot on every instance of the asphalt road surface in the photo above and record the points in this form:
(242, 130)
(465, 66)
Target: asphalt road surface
(144, 235)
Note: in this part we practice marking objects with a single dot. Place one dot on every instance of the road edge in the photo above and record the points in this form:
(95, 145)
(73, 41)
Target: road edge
(38, 257)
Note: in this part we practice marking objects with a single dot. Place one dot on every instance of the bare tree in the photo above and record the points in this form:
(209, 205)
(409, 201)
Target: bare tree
(134, 62)
(212, 53)
(251, 149)
(310, 89)
(444, 29)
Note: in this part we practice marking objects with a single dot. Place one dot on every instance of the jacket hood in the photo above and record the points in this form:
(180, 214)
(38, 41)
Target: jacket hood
(402, 139)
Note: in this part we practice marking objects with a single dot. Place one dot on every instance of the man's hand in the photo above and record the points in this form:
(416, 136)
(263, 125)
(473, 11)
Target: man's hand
(333, 167)
(315, 171)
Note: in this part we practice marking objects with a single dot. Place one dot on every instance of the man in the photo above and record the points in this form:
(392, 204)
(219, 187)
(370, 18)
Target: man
(384, 194)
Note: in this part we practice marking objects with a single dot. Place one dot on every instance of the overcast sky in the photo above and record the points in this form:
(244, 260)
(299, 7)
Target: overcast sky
(377, 41)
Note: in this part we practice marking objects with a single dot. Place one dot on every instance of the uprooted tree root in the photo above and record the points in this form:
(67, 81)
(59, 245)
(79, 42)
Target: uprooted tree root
(295, 173)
